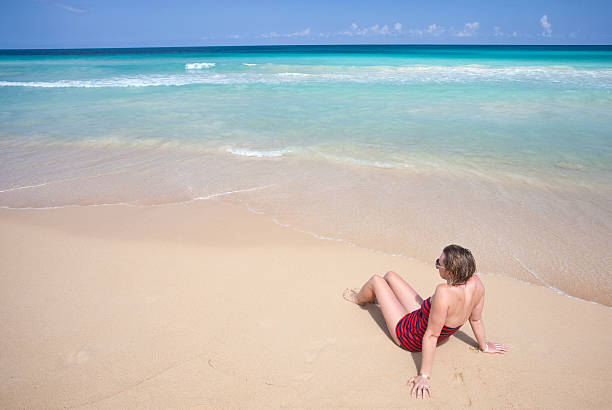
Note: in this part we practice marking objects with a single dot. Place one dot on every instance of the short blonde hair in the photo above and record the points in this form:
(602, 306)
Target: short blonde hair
(460, 264)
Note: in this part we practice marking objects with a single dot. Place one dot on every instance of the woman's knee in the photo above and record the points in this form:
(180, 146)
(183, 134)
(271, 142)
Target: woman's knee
(391, 275)
(376, 278)
(377, 281)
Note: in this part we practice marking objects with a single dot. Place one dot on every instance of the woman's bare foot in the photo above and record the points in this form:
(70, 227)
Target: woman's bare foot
(351, 295)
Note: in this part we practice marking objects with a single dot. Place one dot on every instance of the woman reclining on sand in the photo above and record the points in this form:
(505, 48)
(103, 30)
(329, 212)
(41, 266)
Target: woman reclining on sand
(416, 324)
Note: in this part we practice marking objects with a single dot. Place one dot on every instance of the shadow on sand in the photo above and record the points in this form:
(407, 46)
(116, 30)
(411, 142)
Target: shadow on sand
(378, 317)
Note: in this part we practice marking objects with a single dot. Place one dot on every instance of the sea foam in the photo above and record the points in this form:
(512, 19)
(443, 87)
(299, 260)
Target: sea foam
(258, 154)
(198, 73)
(198, 66)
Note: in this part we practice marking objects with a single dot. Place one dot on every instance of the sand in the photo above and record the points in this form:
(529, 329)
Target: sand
(205, 304)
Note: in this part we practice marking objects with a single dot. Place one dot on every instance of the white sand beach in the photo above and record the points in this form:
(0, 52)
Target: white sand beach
(205, 305)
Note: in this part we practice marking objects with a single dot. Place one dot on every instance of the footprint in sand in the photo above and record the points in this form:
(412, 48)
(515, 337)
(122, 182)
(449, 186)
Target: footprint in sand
(78, 357)
(458, 377)
(350, 295)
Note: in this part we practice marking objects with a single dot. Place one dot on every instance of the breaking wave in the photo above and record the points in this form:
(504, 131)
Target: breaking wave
(258, 154)
(198, 66)
(303, 74)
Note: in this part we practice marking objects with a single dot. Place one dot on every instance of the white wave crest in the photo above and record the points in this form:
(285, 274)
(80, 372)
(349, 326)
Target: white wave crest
(249, 64)
(258, 154)
(137, 81)
(198, 66)
(294, 74)
(282, 74)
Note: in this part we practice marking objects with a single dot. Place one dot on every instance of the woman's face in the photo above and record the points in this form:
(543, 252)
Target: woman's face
(443, 272)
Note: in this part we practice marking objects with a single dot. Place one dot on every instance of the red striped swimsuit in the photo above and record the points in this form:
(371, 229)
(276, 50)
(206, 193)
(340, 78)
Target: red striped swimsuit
(411, 328)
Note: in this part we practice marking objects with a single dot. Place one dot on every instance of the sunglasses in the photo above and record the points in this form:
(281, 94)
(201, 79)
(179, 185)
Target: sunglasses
(438, 266)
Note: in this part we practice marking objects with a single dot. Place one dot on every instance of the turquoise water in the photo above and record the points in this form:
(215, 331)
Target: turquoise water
(534, 104)
(509, 147)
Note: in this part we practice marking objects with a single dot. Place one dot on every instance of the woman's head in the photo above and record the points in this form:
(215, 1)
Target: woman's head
(457, 264)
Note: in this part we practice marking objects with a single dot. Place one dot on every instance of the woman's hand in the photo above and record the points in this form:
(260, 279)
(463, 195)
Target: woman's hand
(420, 385)
(491, 347)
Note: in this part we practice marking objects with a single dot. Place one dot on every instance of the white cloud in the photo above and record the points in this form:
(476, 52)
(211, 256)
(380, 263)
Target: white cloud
(498, 32)
(302, 33)
(382, 31)
(431, 30)
(469, 30)
(354, 31)
(69, 8)
(546, 26)
(415, 32)
(234, 36)
(271, 34)
(435, 30)
(376, 29)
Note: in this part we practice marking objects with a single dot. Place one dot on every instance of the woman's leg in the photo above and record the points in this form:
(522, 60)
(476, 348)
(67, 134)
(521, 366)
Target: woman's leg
(407, 296)
(391, 308)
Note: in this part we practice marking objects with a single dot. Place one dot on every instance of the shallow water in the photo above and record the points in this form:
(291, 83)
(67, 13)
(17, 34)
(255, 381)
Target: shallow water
(505, 150)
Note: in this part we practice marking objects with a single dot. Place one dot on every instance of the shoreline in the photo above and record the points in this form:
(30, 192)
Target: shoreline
(207, 304)
(536, 279)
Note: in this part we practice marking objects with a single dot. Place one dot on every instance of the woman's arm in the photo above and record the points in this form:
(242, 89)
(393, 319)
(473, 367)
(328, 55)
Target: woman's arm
(479, 330)
(437, 316)
(477, 325)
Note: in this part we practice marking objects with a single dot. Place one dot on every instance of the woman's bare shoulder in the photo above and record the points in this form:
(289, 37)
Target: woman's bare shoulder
(442, 288)
(443, 291)
(478, 289)
(477, 283)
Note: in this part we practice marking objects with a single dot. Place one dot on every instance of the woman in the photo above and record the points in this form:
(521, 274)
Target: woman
(419, 325)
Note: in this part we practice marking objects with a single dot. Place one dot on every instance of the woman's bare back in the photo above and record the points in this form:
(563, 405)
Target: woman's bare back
(465, 299)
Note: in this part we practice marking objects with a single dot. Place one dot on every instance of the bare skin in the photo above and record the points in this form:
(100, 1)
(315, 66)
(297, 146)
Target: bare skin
(451, 306)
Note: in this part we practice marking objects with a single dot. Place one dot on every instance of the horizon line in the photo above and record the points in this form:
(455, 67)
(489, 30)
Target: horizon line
(299, 45)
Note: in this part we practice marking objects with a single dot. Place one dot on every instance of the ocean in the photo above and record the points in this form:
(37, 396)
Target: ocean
(506, 150)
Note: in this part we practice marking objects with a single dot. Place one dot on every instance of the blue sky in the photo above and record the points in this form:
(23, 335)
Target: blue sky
(113, 23)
